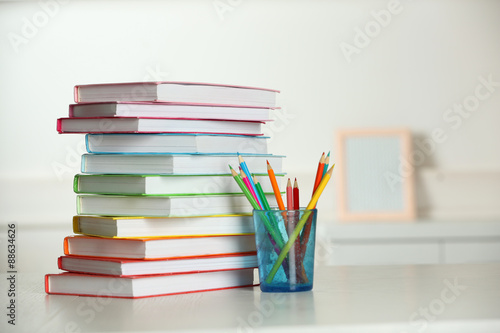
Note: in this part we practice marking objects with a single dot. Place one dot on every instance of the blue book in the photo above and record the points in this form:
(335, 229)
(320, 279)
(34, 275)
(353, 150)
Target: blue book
(176, 164)
(175, 143)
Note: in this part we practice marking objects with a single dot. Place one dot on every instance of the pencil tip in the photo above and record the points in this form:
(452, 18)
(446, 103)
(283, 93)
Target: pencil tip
(331, 169)
(233, 172)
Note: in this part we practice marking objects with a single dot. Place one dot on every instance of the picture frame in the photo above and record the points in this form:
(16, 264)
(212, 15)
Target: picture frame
(376, 176)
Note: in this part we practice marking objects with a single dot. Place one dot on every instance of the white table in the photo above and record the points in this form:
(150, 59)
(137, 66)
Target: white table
(406, 298)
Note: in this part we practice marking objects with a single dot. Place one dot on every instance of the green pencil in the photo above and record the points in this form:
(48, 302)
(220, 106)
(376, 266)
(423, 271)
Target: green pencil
(245, 190)
(272, 232)
(265, 203)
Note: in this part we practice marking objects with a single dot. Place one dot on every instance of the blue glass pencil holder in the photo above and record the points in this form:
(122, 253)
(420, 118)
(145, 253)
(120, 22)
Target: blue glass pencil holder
(285, 241)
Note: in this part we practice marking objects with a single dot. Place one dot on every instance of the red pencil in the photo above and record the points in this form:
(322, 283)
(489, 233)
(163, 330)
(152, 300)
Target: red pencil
(289, 195)
(296, 202)
(307, 228)
(319, 172)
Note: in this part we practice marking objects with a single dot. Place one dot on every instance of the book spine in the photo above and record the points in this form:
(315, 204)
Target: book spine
(87, 144)
(59, 125)
(76, 224)
(75, 94)
(76, 182)
(78, 205)
(60, 263)
(66, 246)
(83, 165)
(47, 283)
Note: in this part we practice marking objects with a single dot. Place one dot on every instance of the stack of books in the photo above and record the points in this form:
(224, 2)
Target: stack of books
(158, 211)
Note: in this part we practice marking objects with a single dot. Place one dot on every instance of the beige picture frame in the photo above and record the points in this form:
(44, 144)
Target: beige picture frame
(376, 176)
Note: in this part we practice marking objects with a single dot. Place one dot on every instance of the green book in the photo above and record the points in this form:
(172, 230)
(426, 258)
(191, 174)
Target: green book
(163, 185)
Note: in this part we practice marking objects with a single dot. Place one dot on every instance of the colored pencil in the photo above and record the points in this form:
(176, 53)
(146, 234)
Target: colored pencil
(300, 225)
(244, 167)
(246, 181)
(261, 194)
(319, 172)
(244, 189)
(319, 176)
(296, 202)
(296, 250)
(276, 188)
(327, 162)
(289, 195)
(276, 240)
(321, 187)
(272, 222)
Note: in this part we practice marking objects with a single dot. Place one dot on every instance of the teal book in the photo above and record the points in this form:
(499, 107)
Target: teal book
(176, 164)
(185, 143)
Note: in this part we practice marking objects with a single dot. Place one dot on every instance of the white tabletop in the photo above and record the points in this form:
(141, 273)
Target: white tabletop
(425, 298)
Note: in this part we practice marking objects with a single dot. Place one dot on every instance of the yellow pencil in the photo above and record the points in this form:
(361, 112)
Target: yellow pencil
(321, 187)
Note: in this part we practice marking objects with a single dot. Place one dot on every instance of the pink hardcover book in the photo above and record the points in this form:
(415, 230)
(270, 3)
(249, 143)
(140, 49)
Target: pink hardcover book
(169, 110)
(177, 92)
(157, 125)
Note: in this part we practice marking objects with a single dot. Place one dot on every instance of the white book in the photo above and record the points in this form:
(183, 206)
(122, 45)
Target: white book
(164, 184)
(168, 110)
(175, 143)
(129, 267)
(177, 92)
(146, 285)
(176, 164)
(157, 248)
(114, 226)
(110, 205)
(156, 125)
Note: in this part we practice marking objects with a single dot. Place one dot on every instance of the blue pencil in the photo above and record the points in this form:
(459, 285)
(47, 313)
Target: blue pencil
(244, 166)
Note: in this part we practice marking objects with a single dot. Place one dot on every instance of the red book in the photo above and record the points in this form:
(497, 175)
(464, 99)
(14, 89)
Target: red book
(146, 285)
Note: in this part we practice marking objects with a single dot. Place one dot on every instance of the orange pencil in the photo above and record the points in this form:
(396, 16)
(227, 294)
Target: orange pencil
(276, 188)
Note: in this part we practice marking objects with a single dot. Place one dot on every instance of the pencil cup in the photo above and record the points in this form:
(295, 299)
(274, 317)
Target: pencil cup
(285, 241)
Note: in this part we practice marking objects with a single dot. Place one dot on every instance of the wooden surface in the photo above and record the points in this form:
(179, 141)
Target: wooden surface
(406, 298)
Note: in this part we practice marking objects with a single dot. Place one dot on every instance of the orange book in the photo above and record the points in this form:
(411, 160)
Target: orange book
(157, 248)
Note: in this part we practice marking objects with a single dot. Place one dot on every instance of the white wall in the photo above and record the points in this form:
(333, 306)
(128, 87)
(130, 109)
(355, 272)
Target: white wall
(430, 56)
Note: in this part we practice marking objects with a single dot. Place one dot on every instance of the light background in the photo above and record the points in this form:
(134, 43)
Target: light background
(427, 58)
